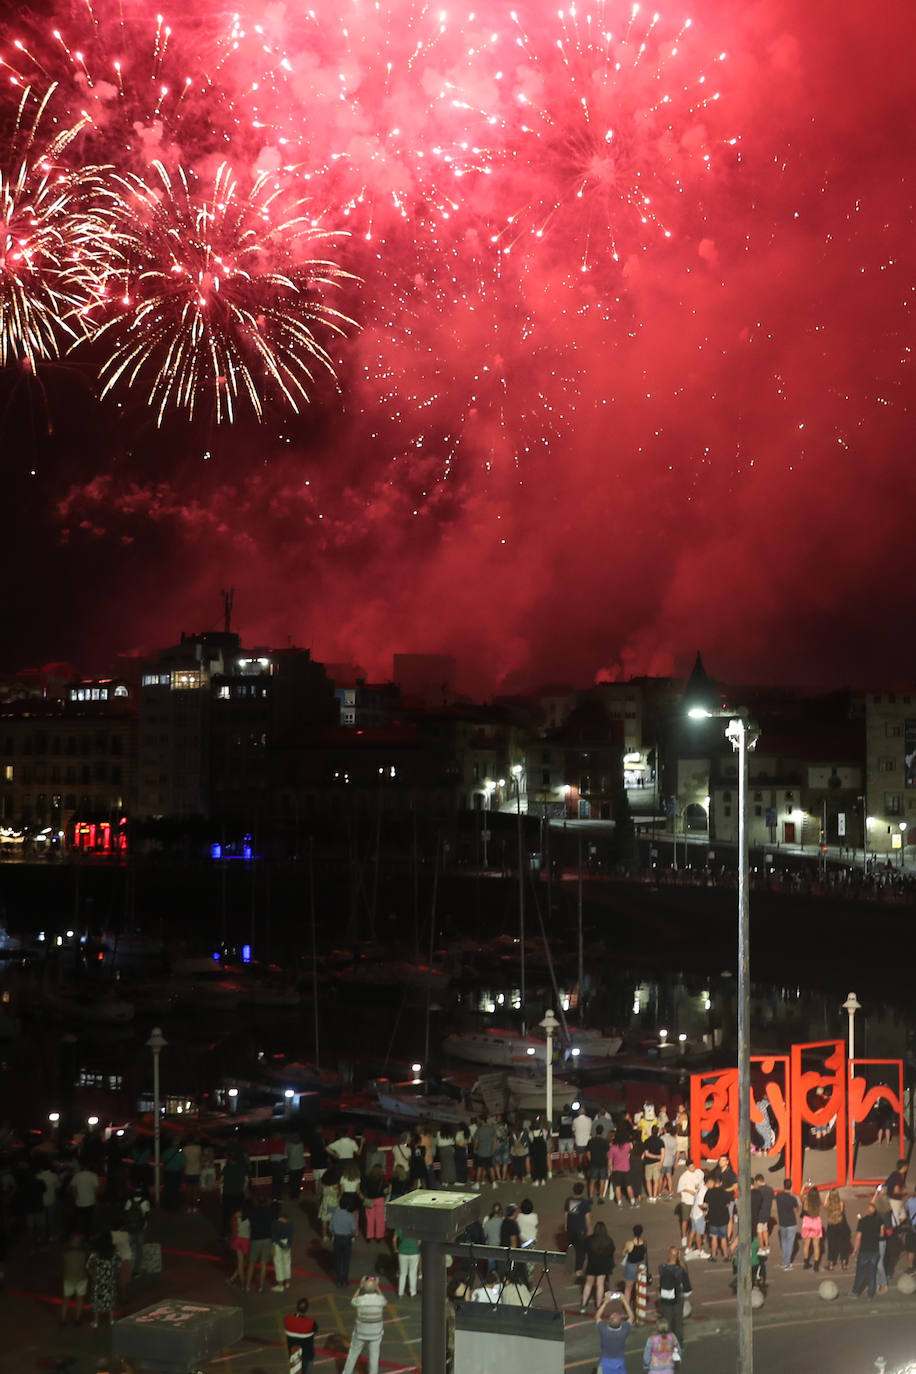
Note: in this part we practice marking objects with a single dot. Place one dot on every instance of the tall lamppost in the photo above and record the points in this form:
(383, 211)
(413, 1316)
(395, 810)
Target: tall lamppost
(549, 1025)
(742, 736)
(517, 778)
(902, 825)
(157, 1043)
(851, 1006)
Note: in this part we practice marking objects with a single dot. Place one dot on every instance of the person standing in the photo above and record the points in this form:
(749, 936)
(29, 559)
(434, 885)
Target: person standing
(839, 1239)
(895, 1187)
(539, 1152)
(261, 1252)
(84, 1188)
(240, 1243)
(191, 1158)
(787, 1216)
(281, 1237)
(295, 1164)
(613, 1329)
(407, 1250)
(687, 1186)
(75, 1278)
(652, 1155)
(662, 1354)
(669, 1155)
(51, 1183)
(102, 1267)
(342, 1227)
(812, 1229)
(577, 1210)
(445, 1149)
(597, 1164)
(673, 1287)
(233, 1182)
(682, 1135)
(763, 1194)
(172, 1174)
(865, 1252)
(582, 1134)
(300, 1330)
(136, 1216)
(717, 1216)
(462, 1145)
(367, 1333)
(484, 1145)
(374, 1190)
(566, 1144)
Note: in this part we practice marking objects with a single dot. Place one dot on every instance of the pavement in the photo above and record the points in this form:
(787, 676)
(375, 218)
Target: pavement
(795, 1327)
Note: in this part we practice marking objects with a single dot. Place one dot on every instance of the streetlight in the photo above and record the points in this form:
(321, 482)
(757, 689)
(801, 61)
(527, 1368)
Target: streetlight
(517, 776)
(549, 1025)
(851, 1006)
(737, 733)
(157, 1043)
(902, 825)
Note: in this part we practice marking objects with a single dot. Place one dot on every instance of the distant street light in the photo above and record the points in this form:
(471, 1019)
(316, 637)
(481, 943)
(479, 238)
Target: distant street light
(157, 1043)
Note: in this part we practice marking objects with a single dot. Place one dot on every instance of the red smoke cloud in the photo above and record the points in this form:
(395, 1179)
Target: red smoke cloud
(544, 471)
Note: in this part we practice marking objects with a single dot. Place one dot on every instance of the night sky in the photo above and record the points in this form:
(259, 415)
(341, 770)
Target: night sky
(632, 362)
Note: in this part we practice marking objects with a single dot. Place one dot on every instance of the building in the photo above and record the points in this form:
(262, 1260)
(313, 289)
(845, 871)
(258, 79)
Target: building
(69, 764)
(176, 702)
(890, 775)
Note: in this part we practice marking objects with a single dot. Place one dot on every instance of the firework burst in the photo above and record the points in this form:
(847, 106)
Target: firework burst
(610, 112)
(214, 297)
(46, 239)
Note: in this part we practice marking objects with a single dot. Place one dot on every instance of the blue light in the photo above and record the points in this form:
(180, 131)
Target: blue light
(246, 851)
(216, 851)
(246, 954)
(216, 956)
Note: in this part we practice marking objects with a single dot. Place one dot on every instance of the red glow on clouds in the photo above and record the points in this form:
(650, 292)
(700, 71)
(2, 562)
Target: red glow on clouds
(701, 438)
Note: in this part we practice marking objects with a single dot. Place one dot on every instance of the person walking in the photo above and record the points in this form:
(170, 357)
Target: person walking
(673, 1287)
(787, 1216)
(281, 1238)
(865, 1252)
(342, 1227)
(407, 1250)
(300, 1330)
(102, 1266)
(614, 1327)
(599, 1265)
(662, 1354)
(75, 1278)
(578, 1213)
(635, 1253)
(367, 1333)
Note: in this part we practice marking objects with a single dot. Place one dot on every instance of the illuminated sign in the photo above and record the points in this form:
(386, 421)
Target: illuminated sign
(798, 1101)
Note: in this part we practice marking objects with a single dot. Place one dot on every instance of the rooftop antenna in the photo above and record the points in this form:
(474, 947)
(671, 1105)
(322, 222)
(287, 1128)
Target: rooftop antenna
(228, 602)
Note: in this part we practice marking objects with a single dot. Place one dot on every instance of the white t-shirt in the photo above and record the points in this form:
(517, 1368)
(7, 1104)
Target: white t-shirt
(485, 1294)
(527, 1227)
(344, 1148)
(696, 1210)
(688, 1183)
(52, 1184)
(369, 1310)
(85, 1185)
(582, 1131)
